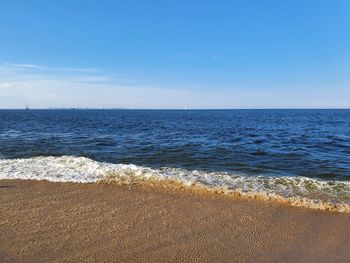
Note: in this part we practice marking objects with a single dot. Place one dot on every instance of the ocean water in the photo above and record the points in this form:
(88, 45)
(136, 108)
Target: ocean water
(288, 153)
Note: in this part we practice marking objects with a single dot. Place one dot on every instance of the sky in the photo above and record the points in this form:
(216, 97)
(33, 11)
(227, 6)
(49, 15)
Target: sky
(175, 54)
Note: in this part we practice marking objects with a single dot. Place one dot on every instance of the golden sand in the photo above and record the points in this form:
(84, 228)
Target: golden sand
(71, 222)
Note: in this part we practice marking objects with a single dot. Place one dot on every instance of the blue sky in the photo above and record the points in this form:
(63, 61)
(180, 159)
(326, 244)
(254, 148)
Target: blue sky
(175, 54)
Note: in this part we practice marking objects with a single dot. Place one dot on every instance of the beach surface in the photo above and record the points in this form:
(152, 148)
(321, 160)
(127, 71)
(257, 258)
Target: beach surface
(41, 221)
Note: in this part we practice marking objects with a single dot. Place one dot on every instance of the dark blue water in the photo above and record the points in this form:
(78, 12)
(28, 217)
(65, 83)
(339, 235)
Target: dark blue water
(311, 143)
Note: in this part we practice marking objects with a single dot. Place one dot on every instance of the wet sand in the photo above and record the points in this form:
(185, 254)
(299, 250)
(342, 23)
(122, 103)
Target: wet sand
(66, 222)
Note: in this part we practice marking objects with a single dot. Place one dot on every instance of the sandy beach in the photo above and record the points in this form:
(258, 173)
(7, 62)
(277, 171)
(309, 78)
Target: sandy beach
(42, 221)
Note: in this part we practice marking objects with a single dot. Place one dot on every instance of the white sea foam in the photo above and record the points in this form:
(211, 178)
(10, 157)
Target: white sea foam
(84, 170)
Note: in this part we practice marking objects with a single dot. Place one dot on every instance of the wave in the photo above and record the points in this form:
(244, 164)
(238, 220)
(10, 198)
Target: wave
(297, 191)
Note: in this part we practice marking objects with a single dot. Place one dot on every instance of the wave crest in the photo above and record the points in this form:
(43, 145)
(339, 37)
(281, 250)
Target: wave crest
(297, 191)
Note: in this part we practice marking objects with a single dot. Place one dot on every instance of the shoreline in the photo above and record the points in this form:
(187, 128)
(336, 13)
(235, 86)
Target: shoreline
(46, 221)
(201, 189)
(296, 191)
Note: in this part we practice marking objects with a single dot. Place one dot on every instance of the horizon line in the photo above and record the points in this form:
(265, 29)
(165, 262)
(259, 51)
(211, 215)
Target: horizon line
(183, 109)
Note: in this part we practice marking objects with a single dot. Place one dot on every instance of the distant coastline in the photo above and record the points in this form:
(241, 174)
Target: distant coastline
(179, 109)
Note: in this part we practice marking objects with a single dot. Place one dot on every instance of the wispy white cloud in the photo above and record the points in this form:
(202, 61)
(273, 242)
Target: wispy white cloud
(6, 85)
(23, 66)
(30, 67)
(43, 87)
(13, 84)
(78, 88)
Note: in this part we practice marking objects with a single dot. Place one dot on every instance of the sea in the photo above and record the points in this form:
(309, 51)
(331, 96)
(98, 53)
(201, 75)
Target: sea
(291, 154)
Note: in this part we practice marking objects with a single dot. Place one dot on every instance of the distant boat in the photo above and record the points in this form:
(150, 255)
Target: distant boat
(27, 107)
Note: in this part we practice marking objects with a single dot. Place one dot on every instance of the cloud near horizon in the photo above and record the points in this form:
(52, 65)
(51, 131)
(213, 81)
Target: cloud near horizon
(45, 87)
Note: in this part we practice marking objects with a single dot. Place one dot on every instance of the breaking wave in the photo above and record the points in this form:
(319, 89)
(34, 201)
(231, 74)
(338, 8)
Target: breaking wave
(297, 191)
